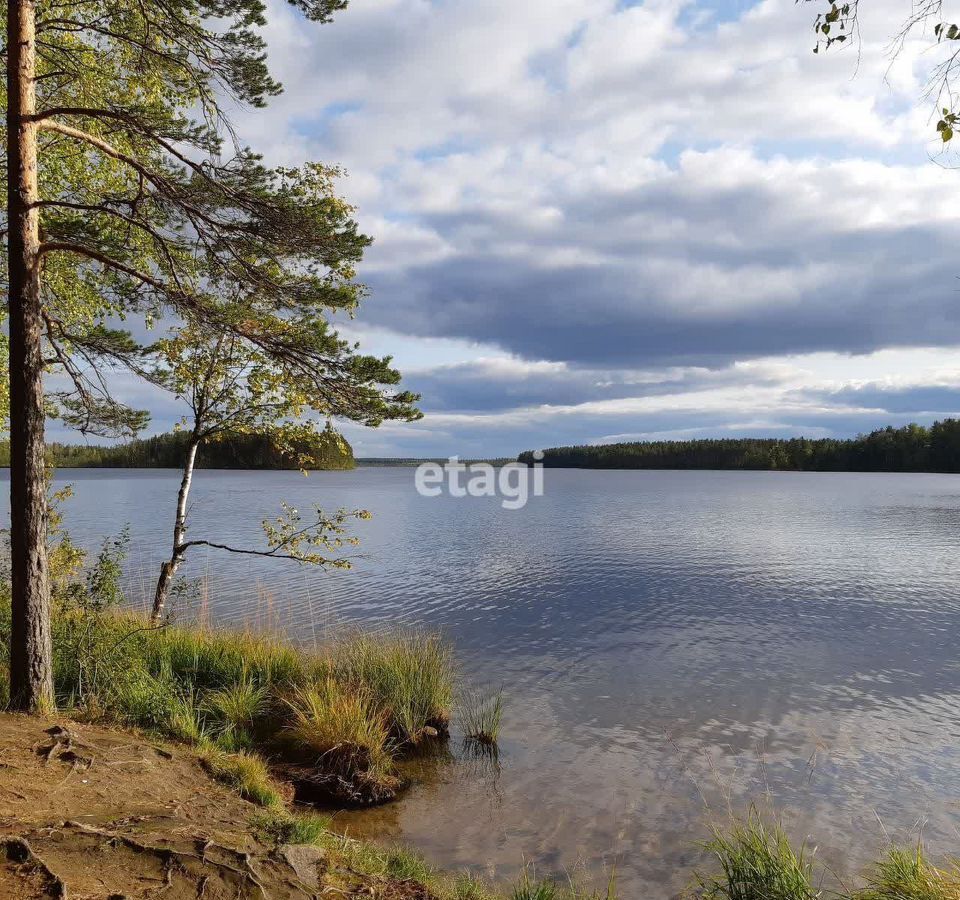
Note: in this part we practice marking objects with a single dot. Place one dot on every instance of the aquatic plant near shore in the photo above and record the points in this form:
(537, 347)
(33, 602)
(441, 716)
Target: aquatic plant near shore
(907, 875)
(480, 716)
(340, 731)
(757, 863)
(529, 889)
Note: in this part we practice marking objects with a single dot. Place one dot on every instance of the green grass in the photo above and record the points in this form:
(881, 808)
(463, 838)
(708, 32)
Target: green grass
(184, 720)
(349, 707)
(411, 677)
(209, 660)
(907, 875)
(246, 774)
(401, 864)
(528, 888)
(340, 729)
(244, 689)
(282, 827)
(234, 711)
(756, 862)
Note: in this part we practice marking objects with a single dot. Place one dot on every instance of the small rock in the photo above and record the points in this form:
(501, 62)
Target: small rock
(308, 863)
(430, 731)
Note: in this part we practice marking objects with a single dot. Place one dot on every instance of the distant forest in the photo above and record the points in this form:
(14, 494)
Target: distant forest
(913, 448)
(166, 451)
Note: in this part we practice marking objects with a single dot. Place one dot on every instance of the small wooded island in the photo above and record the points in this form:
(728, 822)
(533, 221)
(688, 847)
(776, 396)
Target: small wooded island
(326, 449)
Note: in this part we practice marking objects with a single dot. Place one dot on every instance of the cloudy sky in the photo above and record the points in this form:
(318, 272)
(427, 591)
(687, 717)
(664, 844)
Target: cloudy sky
(600, 220)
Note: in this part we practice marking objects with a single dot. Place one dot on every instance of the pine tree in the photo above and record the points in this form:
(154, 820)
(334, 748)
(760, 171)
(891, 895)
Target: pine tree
(129, 195)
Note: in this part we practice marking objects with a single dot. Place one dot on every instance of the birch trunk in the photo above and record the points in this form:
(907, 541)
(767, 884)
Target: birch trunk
(169, 569)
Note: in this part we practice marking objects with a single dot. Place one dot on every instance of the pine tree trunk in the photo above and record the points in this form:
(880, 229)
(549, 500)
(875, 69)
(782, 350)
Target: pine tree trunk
(31, 679)
(169, 569)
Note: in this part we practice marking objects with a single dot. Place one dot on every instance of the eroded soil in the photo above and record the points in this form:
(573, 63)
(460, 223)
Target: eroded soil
(89, 812)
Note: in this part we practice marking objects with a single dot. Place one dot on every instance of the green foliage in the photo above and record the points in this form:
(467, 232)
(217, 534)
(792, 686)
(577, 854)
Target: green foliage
(317, 539)
(329, 450)
(409, 676)
(151, 207)
(91, 665)
(912, 448)
(757, 863)
(840, 24)
(233, 386)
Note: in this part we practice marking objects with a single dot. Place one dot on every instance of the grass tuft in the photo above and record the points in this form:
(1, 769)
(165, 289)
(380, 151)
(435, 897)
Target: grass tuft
(406, 865)
(185, 720)
(529, 888)
(246, 773)
(410, 677)
(757, 863)
(341, 729)
(282, 827)
(908, 875)
(234, 710)
(480, 717)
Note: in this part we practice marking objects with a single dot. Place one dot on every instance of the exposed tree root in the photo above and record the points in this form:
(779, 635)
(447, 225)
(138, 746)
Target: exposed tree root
(312, 785)
(26, 865)
(139, 824)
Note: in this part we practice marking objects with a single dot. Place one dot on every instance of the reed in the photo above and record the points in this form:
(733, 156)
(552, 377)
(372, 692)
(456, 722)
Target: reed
(480, 716)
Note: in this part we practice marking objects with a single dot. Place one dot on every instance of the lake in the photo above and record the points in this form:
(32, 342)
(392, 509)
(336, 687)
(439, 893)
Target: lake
(672, 645)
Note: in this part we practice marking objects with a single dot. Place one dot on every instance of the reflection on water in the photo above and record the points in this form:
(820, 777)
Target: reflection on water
(672, 645)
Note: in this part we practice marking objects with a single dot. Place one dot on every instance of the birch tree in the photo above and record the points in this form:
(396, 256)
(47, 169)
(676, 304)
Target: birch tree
(231, 386)
(924, 26)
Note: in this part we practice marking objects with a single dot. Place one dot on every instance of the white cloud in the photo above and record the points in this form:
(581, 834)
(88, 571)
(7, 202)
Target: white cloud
(692, 213)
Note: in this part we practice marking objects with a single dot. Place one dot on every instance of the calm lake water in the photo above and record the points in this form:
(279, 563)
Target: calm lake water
(671, 644)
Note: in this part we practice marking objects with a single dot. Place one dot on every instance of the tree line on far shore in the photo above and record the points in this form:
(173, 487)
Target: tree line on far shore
(325, 450)
(912, 448)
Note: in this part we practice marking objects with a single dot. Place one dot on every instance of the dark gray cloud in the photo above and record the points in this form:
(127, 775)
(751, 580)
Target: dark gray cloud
(498, 385)
(666, 277)
(912, 400)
